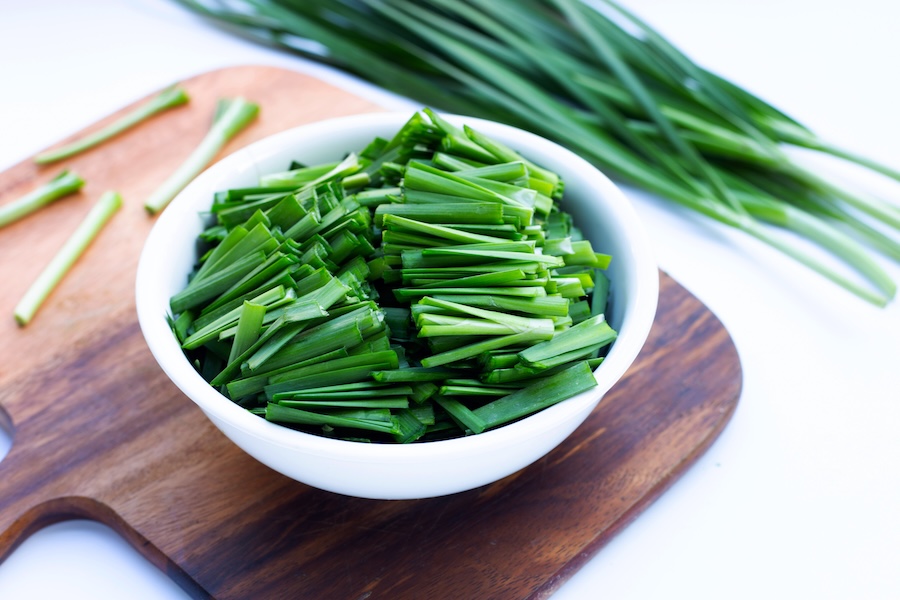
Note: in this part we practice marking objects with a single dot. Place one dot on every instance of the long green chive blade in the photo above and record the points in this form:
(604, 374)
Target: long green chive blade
(60, 186)
(62, 262)
(580, 15)
(854, 157)
(238, 115)
(168, 98)
(825, 269)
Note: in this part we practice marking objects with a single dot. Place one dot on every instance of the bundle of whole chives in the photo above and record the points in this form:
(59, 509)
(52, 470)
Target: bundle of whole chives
(396, 318)
(599, 80)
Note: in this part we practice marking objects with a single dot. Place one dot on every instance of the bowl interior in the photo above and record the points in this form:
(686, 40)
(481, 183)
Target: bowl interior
(599, 208)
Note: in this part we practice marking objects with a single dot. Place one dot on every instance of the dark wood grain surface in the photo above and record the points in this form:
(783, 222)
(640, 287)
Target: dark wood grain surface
(100, 433)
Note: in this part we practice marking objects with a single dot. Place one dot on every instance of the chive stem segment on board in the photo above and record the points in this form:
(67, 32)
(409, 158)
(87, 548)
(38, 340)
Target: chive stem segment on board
(168, 98)
(352, 299)
(62, 185)
(231, 118)
(108, 204)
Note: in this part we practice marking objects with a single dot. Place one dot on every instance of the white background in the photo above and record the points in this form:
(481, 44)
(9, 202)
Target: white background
(799, 497)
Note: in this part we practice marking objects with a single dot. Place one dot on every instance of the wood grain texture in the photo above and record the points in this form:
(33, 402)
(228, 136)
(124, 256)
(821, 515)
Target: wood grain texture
(100, 433)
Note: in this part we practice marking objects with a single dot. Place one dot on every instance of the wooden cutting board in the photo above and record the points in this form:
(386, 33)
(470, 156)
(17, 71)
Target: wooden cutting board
(100, 433)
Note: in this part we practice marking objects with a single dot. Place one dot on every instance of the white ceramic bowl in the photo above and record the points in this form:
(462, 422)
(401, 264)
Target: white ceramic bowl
(395, 471)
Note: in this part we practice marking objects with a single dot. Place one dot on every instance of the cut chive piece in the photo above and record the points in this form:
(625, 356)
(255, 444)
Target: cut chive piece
(248, 328)
(414, 374)
(389, 402)
(461, 413)
(236, 117)
(284, 414)
(488, 213)
(168, 98)
(515, 322)
(547, 306)
(478, 348)
(56, 269)
(600, 293)
(537, 396)
(408, 428)
(592, 332)
(60, 186)
(471, 390)
(391, 221)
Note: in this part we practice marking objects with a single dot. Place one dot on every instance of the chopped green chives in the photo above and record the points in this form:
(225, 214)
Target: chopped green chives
(418, 305)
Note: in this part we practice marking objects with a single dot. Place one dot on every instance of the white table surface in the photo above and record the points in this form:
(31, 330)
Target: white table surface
(798, 498)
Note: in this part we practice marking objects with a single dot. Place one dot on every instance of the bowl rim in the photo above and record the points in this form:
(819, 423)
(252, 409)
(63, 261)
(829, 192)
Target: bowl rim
(218, 408)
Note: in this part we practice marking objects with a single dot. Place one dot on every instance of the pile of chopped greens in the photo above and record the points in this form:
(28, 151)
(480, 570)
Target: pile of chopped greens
(597, 79)
(424, 287)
